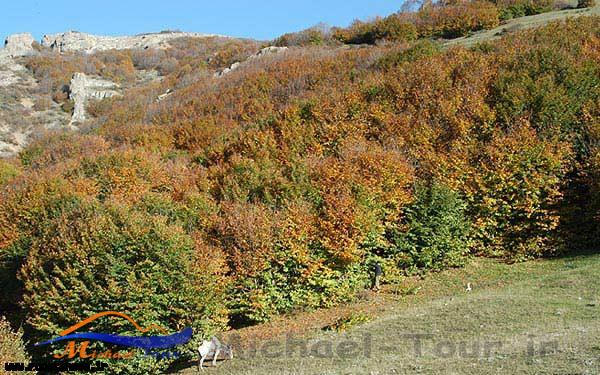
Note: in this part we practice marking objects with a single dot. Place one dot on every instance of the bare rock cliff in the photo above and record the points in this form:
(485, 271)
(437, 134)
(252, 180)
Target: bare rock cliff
(84, 88)
(76, 41)
(17, 45)
(260, 54)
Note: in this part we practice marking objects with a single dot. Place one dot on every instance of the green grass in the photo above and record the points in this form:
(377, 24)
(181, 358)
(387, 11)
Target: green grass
(523, 306)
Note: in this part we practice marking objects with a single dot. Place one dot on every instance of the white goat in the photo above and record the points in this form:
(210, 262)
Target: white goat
(213, 348)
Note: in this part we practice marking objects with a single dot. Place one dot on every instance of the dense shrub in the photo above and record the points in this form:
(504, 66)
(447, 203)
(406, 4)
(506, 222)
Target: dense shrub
(519, 8)
(7, 172)
(302, 257)
(456, 20)
(515, 196)
(442, 19)
(593, 208)
(448, 19)
(312, 36)
(114, 259)
(421, 49)
(56, 148)
(586, 3)
(551, 87)
(360, 193)
(392, 28)
(434, 232)
(395, 29)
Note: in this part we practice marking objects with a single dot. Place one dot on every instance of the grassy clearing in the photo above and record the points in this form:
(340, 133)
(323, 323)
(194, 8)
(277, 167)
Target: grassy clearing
(535, 317)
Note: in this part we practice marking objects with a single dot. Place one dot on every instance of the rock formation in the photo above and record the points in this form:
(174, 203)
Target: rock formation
(27, 109)
(166, 94)
(84, 88)
(77, 41)
(263, 52)
(17, 45)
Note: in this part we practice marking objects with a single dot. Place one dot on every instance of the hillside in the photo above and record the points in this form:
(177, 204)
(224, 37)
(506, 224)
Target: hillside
(30, 107)
(40, 93)
(225, 184)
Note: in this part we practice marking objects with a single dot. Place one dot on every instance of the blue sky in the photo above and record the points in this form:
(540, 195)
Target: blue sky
(243, 18)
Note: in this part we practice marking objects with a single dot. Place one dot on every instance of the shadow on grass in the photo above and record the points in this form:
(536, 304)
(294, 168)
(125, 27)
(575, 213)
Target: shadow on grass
(190, 364)
(182, 365)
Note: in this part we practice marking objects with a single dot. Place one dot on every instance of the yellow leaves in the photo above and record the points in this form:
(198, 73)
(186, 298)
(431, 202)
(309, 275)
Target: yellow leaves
(338, 228)
(246, 234)
(458, 19)
(211, 259)
(8, 230)
(296, 230)
(518, 184)
(366, 186)
(8, 171)
(85, 187)
(124, 183)
(394, 28)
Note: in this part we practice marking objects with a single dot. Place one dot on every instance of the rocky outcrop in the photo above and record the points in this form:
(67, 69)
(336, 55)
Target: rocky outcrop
(76, 41)
(263, 52)
(268, 50)
(84, 88)
(17, 45)
(166, 94)
(230, 69)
